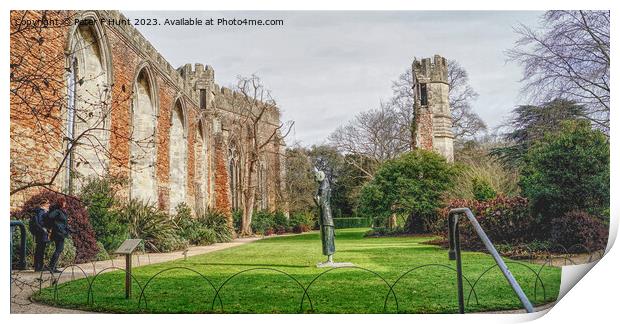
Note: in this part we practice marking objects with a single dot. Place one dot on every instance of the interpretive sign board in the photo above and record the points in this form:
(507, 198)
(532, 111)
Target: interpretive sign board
(127, 249)
(128, 246)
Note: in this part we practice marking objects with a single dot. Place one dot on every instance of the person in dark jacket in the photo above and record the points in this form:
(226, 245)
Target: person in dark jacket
(60, 230)
(38, 226)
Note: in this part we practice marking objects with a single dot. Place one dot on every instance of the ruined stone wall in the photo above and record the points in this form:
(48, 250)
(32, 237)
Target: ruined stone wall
(37, 84)
(35, 156)
(433, 119)
(229, 134)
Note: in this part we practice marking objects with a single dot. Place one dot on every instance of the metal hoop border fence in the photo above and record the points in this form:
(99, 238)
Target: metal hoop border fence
(305, 290)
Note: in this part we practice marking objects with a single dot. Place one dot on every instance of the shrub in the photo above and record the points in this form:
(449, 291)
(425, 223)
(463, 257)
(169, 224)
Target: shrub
(185, 224)
(504, 220)
(236, 217)
(280, 222)
(83, 236)
(579, 228)
(301, 222)
(67, 257)
(203, 236)
(475, 165)
(218, 223)
(207, 228)
(482, 190)
(103, 253)
(15, 242)
(413, 185)
(566, 171)
(262, 221)
(384, 231)
(268, 223)
(152, 225)
(352, 222)
(100, 200)
(533, 249)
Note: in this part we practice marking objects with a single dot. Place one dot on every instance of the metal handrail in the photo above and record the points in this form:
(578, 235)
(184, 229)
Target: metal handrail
(454, 253)
(21, 265)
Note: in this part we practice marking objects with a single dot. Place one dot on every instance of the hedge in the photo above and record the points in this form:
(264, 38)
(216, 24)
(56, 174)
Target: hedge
(506, 220)
(352, 222)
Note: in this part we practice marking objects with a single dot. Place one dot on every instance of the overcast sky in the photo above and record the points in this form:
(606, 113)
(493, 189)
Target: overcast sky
(324, 67)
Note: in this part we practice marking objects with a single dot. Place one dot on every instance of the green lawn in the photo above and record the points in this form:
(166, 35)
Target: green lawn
(430, 289)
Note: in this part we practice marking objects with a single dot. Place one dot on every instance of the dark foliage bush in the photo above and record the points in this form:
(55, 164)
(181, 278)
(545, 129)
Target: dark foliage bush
(413, 185)
(217, 222)
(533, 249)
(482, 190)
(505, 220)
(567, 170)
(269, 223)
(280, 222)
(188, 228)
(103, 254)
(301, 229)
(262, 221)
(202, 236)
(236, 217)
(152, 225)
(98, 195)
(577, 228)
(384, 231)
(301, 222)
(83, 236)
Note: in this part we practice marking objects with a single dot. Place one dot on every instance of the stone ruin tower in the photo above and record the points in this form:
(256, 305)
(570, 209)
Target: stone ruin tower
(433, 119)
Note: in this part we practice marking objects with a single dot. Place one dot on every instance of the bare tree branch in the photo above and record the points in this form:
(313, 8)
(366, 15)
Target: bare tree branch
(68, 132)
(384, 133)
(255, 111)
(568, 58)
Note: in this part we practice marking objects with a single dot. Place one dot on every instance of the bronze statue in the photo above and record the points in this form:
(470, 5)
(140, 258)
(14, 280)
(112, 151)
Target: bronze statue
(326, 221)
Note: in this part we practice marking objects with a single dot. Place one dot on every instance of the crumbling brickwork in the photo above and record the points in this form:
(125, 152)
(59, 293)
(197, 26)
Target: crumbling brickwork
(433, 119)
(35, 65)
(50, 67)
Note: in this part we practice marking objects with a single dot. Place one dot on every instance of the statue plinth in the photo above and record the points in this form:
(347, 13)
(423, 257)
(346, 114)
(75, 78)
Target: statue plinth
(335, 265)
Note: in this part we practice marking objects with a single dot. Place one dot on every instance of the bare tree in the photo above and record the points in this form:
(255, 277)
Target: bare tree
(402, 101)
(465, 122)
(384, 133)
(300, 184)
(378, 134)
(568, 58)
(56, 111)
(253, 103)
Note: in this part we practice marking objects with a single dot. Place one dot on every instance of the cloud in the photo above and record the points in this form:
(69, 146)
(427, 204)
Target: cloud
(324, 67)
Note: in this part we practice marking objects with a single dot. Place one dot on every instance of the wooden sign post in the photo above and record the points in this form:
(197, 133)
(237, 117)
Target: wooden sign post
(127, 249)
